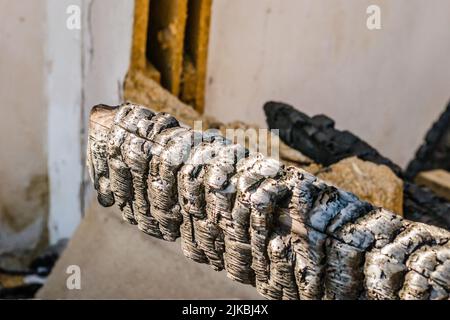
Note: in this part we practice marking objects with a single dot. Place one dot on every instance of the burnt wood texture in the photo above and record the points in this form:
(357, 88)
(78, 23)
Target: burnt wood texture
(317, 138)
(278, 228)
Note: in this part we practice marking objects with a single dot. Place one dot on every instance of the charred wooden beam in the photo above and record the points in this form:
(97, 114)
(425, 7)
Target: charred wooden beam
(196, 53)
(317, 138)
(165, 42)
(278, 228)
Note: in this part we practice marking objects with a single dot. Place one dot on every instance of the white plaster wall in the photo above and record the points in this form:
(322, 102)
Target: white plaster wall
(387, 86)
(23, 123)
(88, 67)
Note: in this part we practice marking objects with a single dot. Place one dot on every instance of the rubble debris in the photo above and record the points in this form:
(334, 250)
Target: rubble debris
(317, 138)
(23, 284)
(424, 206)
(278, 228)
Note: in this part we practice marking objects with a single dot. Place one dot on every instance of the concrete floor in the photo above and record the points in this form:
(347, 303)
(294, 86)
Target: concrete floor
(117, 261)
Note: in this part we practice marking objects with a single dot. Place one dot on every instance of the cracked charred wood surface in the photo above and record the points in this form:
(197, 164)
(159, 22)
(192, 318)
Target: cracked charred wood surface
(278, 228)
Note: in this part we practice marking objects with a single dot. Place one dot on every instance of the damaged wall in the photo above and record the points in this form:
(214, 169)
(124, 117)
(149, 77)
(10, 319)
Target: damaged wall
(320, 57)
(23, 126)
